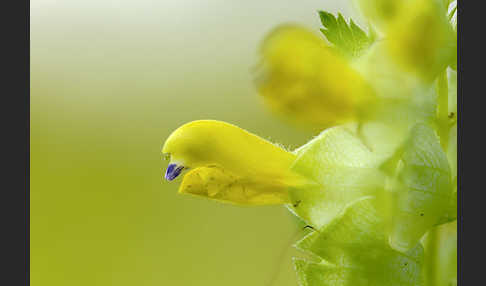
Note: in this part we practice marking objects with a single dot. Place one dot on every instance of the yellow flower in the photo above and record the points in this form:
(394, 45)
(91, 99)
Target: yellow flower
(229, 164)
(421, 40)
(302, 77)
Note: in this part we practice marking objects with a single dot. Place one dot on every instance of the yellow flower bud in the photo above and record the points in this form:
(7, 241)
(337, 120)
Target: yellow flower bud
(304, 78)
(421, 40)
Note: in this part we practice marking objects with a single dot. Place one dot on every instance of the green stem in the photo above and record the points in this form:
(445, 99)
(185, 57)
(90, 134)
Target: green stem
(431, 257)
(443, 109)
(443, 132)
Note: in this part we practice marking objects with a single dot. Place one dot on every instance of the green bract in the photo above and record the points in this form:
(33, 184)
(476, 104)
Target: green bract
(349, 39)
(421, 188)
(354, 251)
(344, 168)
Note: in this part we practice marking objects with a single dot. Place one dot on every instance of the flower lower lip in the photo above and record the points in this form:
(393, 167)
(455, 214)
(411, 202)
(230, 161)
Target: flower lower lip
(173, 171)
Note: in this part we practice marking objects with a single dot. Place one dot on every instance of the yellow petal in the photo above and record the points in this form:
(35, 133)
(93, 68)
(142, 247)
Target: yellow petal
(216, 184)
(421, 40)
(381, 12)
(303, 78)
(230, 164)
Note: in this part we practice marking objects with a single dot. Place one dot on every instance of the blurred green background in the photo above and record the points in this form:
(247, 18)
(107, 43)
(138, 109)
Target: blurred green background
(109, 81)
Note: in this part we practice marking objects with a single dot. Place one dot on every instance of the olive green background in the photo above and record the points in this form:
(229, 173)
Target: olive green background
(109, 81)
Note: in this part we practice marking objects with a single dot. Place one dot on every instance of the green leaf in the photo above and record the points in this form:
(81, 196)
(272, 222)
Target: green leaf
(420, 188)
(344, 170)
(354, 251)
(349, 39)
(343, 161)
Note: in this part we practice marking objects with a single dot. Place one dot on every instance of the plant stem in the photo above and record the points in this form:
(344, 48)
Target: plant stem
(443, 132)
(431, 257)
(443, 109)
